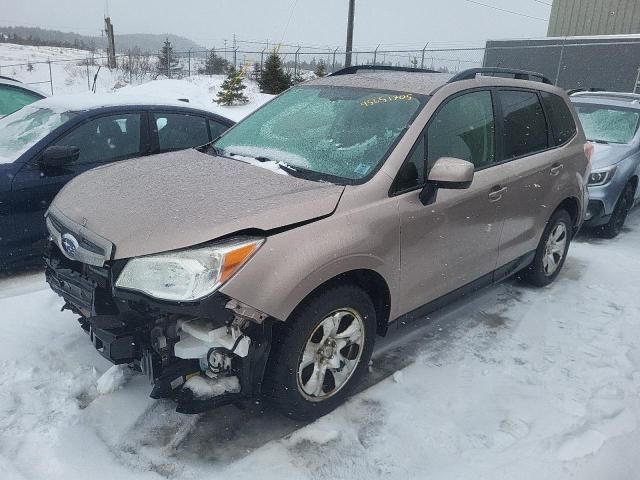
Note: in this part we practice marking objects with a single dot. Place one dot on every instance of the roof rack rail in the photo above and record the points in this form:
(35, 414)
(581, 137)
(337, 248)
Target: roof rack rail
(9, 78)
(606, 93)
(471, 73)
(355, 68)
(573, 91)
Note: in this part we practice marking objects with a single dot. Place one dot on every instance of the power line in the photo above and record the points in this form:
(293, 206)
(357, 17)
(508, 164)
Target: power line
(543, 3)
(507, 11)
(294, 4)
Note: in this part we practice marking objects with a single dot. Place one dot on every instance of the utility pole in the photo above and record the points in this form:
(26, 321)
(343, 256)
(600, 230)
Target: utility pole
(347, 57)
(111, 46)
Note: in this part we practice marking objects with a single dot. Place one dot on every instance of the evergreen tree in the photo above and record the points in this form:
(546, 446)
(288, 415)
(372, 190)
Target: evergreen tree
(321, 69)
(214, 64)
(274, 79)
(232, 87)
(167, 61)
(256, 74)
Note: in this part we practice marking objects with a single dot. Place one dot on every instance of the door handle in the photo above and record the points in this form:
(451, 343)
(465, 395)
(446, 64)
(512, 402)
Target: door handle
(556, 169)
(496, 193)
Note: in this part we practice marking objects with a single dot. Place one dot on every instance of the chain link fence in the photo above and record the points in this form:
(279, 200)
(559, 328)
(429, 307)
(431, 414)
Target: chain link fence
(570, 65)
(135, 67)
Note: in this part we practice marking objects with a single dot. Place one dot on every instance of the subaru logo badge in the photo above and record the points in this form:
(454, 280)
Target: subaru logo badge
(69, 244)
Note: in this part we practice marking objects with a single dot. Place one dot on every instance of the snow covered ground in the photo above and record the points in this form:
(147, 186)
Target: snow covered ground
(512, 382)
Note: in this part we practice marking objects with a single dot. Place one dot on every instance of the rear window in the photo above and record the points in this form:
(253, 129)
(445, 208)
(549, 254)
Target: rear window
(524, 125)
(563, 127)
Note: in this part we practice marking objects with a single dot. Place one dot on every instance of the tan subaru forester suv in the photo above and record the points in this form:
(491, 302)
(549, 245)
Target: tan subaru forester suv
(265, 263)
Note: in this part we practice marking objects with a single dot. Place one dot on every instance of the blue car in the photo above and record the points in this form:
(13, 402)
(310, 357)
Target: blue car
(611, 121)
(47, 143)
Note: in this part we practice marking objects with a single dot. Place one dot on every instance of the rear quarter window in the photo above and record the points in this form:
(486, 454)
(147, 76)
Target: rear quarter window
(563, 126)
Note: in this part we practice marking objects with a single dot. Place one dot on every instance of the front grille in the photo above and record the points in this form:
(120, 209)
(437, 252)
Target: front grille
(77, 283)
(91, 248)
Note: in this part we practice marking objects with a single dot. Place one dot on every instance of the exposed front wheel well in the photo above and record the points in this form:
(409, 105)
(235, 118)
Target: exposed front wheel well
(373, 284)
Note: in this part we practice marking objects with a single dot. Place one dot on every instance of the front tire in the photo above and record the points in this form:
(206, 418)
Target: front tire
(321, 352)
(613, 228)
(551, 252)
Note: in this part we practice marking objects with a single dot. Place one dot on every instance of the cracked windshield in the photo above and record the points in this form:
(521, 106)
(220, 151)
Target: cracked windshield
(286, 239)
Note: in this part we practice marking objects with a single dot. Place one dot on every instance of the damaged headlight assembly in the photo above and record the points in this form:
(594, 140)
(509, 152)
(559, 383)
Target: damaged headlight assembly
(188, 275)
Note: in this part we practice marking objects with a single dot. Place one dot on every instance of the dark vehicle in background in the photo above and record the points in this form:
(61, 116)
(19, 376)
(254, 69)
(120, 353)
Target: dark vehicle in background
(14, 95)
(46, 144)
(611, 122)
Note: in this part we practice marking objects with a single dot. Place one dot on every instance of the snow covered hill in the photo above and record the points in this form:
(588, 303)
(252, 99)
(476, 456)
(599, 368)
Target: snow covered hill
(73, 75)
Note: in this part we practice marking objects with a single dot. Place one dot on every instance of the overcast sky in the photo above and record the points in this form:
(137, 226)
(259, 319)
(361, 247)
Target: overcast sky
(319, 22)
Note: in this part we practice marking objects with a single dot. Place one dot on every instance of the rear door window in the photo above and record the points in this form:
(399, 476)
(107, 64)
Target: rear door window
(179, 131)
(524, 126)
(563, 126)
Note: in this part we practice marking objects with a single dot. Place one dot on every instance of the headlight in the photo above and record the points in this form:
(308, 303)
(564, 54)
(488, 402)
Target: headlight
(188, 275)
(602, 177)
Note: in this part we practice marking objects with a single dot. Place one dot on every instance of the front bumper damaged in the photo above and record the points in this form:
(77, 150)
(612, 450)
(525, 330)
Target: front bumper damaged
(181, 348)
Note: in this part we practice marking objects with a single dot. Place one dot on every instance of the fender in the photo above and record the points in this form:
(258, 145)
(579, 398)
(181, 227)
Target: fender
(292, 264)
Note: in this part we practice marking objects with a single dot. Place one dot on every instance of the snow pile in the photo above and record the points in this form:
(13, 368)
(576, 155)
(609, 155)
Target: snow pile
(201, 91)
(321, 432)
(205, 388)
(113, 379)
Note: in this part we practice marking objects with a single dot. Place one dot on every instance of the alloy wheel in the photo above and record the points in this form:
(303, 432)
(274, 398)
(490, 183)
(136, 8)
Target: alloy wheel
(331, 355)
(555, 249)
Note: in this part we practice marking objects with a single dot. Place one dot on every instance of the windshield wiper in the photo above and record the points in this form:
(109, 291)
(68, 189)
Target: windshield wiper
(604, 142)
(291, 170)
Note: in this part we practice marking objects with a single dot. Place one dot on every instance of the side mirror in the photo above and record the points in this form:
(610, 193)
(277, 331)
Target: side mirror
(448, 173)
(58, 156)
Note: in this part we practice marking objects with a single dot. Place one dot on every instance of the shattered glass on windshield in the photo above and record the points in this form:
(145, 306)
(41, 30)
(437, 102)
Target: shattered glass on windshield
(341, 133)
(607, 124)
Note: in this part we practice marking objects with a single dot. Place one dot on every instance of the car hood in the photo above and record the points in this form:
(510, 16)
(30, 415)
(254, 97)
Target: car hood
(609, 154)
(177, 200)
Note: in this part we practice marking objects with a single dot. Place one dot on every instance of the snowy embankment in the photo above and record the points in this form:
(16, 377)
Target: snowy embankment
(72, 76)
(512, 382)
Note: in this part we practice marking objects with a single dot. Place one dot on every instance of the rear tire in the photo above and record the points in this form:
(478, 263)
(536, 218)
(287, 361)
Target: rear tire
(551, 252)
(613, 228)
(321, 352)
